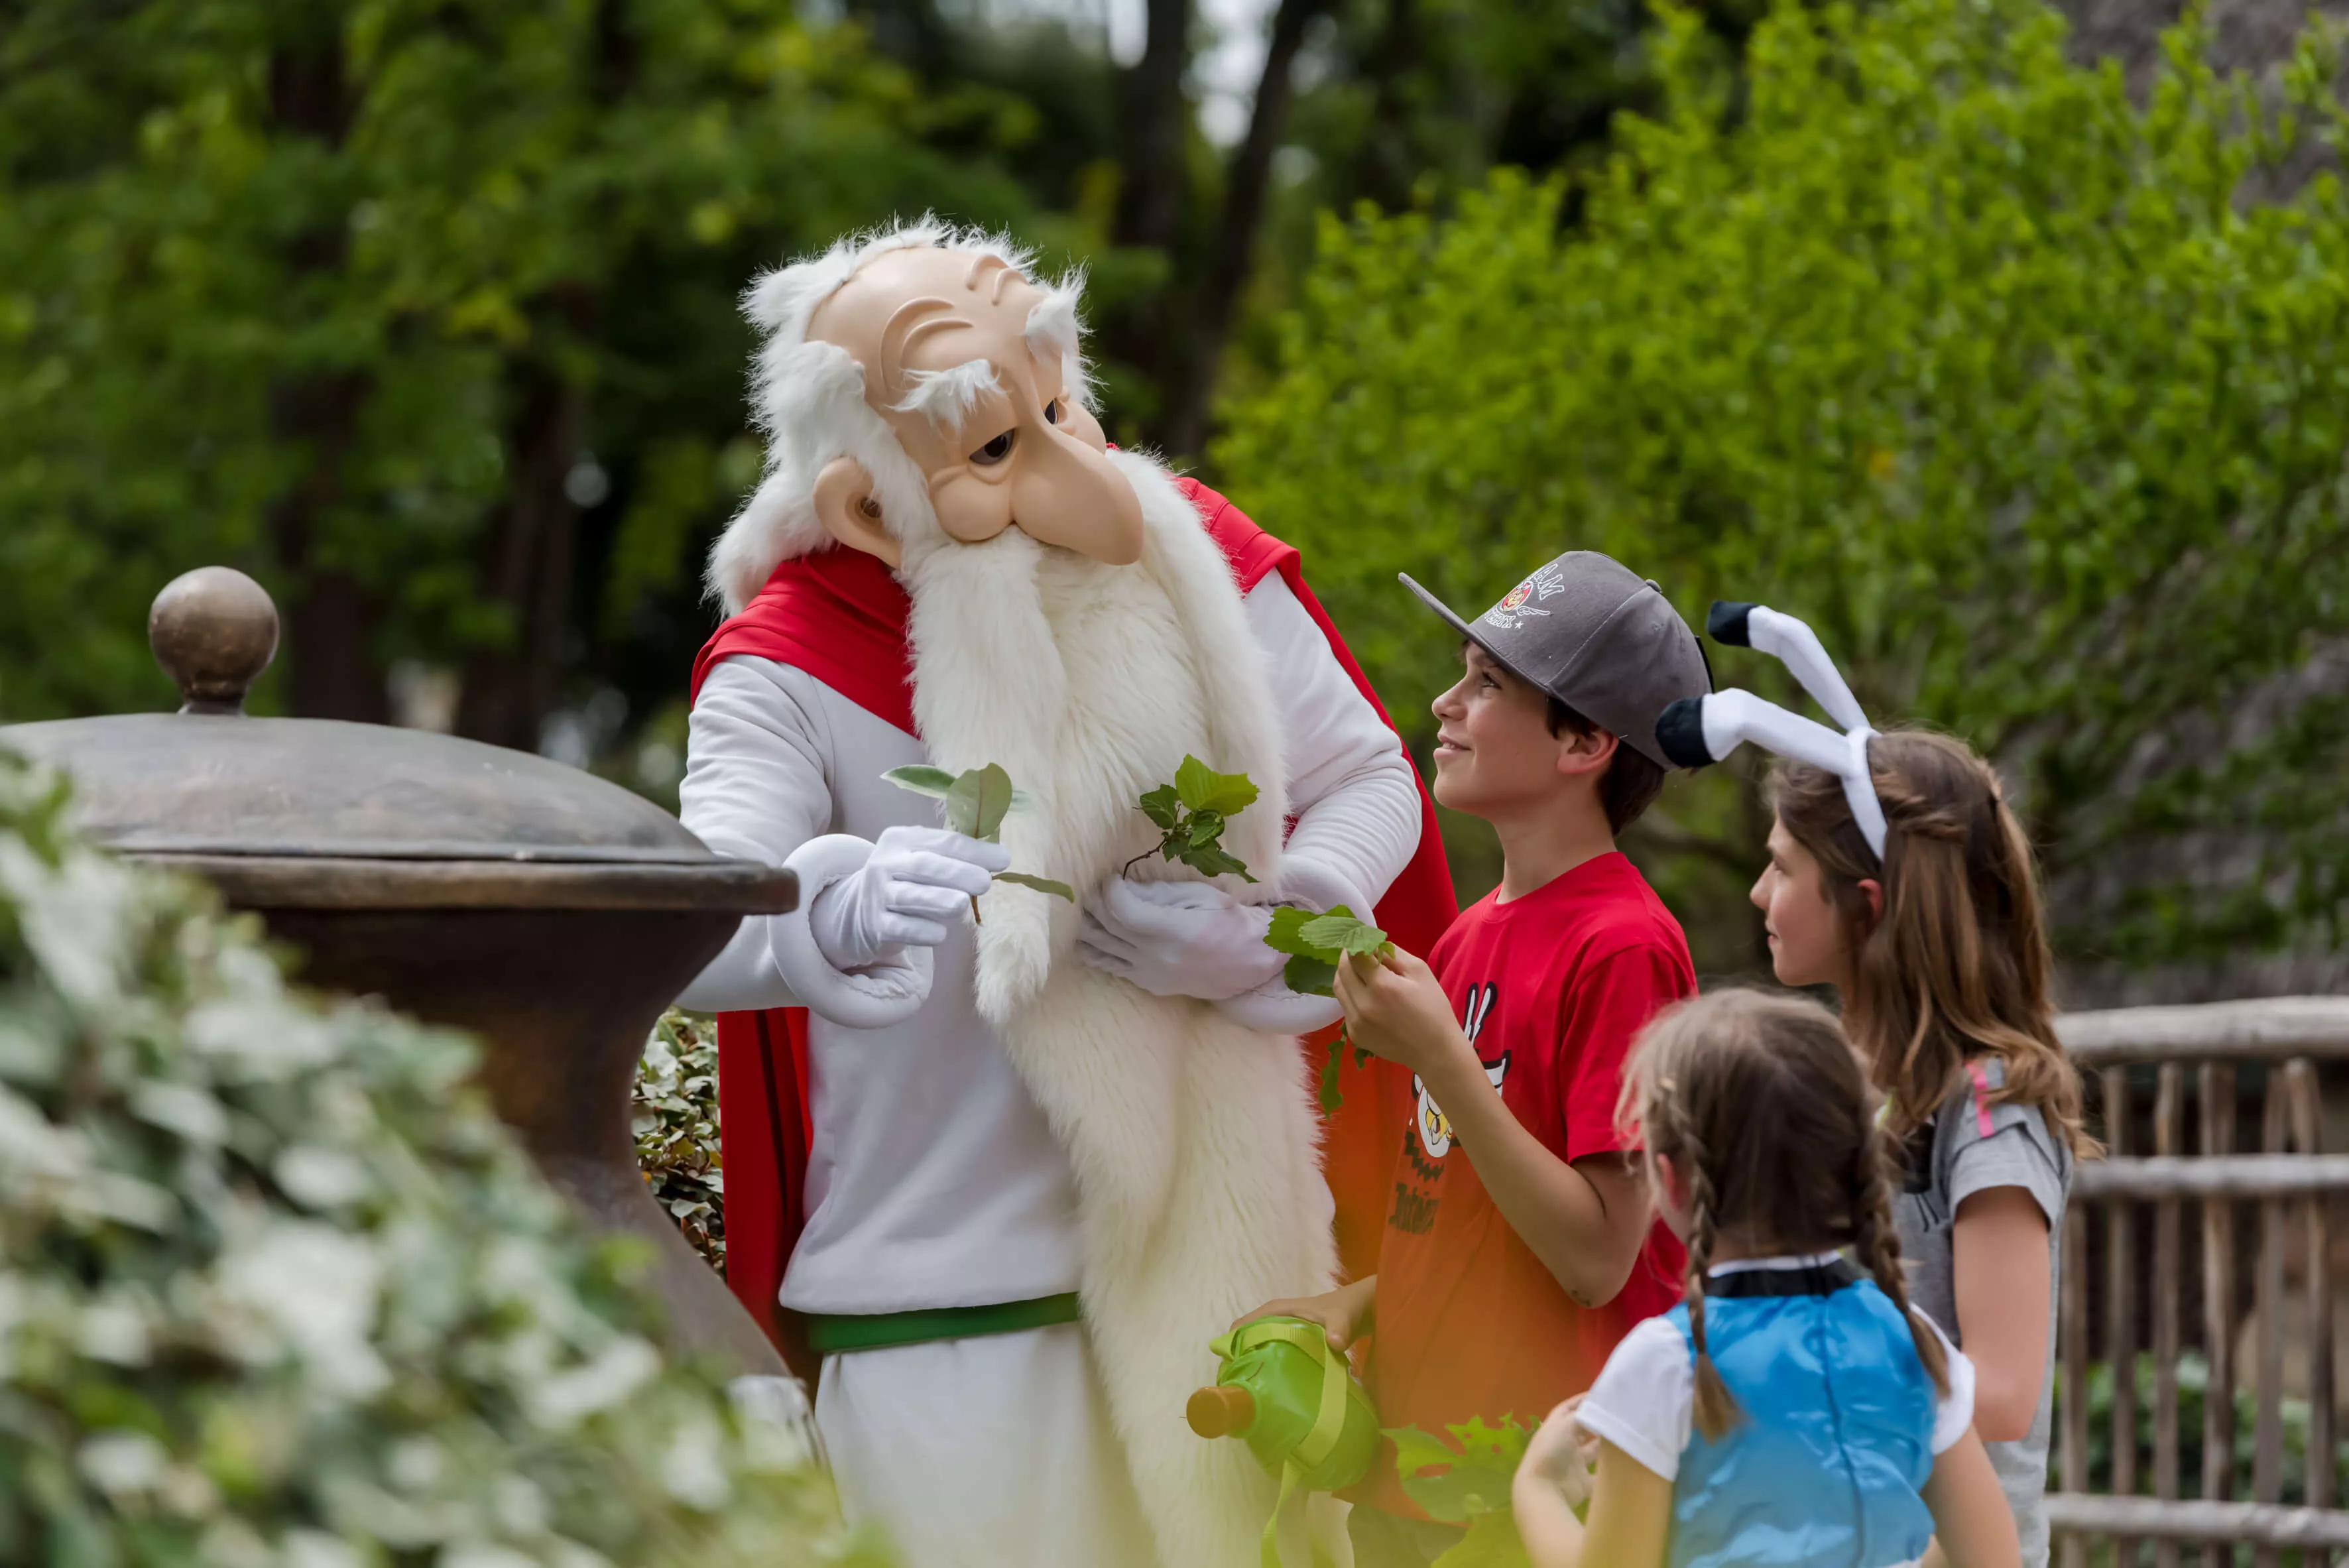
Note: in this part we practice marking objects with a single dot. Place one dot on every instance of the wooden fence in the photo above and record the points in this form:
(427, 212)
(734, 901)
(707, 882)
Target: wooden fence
(2132, 1500)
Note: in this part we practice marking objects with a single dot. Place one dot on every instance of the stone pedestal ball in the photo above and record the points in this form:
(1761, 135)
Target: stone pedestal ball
(213, 631)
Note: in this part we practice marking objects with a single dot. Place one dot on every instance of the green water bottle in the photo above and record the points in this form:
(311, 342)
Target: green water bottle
(1283, 1391)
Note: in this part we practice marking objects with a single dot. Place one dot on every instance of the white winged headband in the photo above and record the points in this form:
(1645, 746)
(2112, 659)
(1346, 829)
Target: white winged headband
(1694, 731)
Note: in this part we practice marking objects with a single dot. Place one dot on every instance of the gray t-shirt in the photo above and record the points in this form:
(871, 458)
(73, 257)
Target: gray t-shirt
(1977, 1145)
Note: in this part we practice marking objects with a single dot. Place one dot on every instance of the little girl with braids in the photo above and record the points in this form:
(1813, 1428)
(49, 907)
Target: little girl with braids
(1794, 1409)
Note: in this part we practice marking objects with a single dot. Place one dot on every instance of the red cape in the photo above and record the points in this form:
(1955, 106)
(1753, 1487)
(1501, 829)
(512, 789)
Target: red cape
(840, 615)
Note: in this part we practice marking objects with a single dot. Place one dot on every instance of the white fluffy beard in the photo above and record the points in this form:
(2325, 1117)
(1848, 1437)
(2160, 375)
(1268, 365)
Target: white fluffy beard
(1193, 1141)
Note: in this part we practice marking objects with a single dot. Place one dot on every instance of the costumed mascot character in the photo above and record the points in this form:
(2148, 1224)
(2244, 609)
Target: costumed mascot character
(1012, 1172)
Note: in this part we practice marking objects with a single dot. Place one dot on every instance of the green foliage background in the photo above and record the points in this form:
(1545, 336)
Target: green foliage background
(1938, 341)
(2026, 391)
(322, 291)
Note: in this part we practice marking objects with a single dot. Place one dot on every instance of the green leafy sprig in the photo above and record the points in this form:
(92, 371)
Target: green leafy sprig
(1468, 1485)
(1315, 943)
(977, 801)
(1190, 815)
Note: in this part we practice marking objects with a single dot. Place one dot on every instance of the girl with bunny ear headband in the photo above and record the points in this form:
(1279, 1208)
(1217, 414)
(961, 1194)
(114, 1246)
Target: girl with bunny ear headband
(1899, 875)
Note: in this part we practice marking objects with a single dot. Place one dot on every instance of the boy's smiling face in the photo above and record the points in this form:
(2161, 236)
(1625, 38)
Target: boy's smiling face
(1495, 753)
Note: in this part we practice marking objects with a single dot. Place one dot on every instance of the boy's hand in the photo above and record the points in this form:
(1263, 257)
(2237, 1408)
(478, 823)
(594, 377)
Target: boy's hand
(1344, 1314)
(1560, 1455)
(1396, 1008)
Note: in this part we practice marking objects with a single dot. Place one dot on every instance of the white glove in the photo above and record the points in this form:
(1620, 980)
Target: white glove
(914, 883)
(1178, 939)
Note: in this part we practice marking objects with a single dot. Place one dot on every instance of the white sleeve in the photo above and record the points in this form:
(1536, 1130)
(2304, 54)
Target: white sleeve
(1953, 1413)
(1644, 1396)
(755, 786)
(1351, 787)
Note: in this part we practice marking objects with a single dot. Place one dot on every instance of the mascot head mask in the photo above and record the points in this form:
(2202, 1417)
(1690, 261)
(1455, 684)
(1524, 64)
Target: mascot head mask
(918, 388)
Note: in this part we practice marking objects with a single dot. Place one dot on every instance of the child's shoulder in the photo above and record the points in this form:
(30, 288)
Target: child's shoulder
(1627, 918)
(1980, 1139)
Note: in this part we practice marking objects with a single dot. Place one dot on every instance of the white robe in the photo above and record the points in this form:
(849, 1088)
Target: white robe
(933, 1178)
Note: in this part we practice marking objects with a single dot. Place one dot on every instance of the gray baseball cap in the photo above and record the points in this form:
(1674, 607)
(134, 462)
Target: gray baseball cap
(1605, 642)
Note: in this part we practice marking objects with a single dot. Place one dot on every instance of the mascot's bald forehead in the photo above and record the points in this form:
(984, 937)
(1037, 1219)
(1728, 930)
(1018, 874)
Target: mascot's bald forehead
(961, 283)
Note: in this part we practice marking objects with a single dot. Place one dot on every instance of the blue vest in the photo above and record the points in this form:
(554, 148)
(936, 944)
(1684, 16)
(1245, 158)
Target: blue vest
(1835, 1440)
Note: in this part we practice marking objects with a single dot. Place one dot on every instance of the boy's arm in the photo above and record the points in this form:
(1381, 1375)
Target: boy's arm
(1585, 1221)
(1345, 1314)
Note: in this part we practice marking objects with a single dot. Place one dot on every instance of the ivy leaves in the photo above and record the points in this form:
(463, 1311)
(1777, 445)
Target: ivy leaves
(977, 801)
(1190, 814)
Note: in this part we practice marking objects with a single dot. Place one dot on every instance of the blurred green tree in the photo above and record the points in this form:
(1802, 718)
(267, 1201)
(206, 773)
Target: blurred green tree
(422, 310)
(1942, 342)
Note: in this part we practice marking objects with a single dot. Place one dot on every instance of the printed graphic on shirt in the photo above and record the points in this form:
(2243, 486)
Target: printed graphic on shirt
(1434, 1127)
(1517, 606)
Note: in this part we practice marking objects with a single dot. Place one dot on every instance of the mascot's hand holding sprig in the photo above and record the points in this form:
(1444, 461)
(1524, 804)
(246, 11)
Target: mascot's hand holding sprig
(1008, 1175)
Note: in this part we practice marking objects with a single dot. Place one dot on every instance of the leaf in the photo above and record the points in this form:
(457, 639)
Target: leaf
(922, 779)
(1202, 788)
(1309, 977)
(1336, 933)
(1459, 1493)
(1163, 806)
(1041, 885)
(1418, 1451)
(994, 801)
(1286, 935)
(1492, 1542)
(1457, 1484)
(1331, 1096)
(1212, 860)
(977, 802)
(1503, 1448)
(1190, 815)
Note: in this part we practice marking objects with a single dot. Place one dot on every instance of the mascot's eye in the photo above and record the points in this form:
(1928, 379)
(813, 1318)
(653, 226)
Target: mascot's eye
(995, 451)
(1052, 412)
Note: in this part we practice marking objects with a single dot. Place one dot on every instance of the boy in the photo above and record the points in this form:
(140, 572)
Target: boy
(1520, 1247)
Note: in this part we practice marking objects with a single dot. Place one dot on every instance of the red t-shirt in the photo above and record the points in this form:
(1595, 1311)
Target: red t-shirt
(1552, 988)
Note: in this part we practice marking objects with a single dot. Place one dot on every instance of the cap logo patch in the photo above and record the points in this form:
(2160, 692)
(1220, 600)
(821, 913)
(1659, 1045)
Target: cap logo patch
(1517, 606)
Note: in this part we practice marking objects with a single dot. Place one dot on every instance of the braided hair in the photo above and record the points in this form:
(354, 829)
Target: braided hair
(1769, 1122)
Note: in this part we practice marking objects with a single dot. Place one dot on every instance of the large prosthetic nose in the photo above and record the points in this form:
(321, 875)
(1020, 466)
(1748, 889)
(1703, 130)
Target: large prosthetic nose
(1056, 484)
(1071, 495)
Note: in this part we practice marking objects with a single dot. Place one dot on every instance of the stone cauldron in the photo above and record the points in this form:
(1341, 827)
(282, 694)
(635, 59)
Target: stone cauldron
(551, 913)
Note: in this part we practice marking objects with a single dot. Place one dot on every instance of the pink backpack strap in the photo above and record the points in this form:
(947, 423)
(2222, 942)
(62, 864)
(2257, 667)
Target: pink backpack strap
(1980, 1077)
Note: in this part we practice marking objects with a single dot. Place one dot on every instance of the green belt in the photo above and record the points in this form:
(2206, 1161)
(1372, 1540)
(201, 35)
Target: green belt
(836, 1335)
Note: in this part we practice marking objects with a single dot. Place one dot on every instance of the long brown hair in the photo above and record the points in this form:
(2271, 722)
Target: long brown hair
(1956, 966)
(1768, 1118)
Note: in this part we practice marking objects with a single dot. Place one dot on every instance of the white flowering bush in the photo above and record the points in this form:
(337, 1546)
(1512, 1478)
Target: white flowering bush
(674, 1117)
(278, 1291)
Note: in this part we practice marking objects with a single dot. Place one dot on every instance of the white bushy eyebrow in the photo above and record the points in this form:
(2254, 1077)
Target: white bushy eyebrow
(1055, 331)
(1053, 328)
(946, 398)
